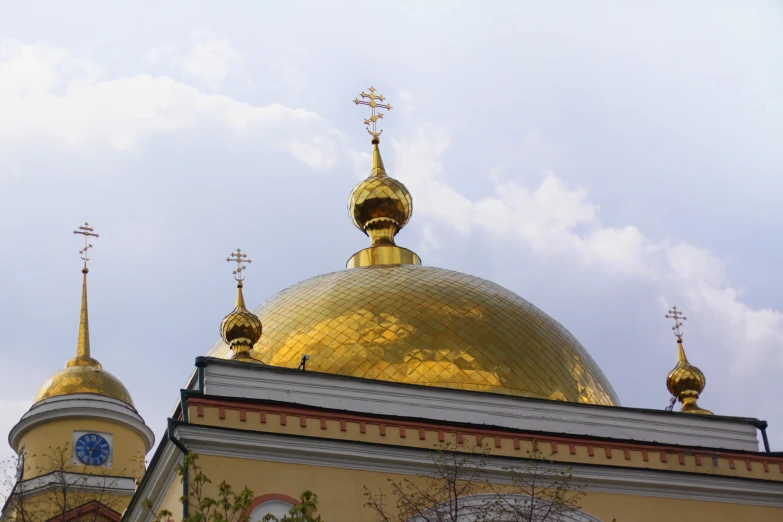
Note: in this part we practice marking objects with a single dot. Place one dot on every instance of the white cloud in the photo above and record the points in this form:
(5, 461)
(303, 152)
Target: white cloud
(49, 93)
(210, 59)
(557, 220)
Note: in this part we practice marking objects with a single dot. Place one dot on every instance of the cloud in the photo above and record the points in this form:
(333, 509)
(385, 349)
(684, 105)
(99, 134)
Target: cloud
(210, 59)
(556, 220)
(49, 93)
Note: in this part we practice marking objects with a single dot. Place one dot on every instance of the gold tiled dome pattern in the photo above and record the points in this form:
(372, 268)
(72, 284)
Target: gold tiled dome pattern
(684, 378)
(380, 198)
(427, 326)
(84, 379)
(239, 325)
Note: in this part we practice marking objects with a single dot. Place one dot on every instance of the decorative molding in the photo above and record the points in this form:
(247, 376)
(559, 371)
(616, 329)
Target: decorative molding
(81, 406)
(79, 481)
(615, 450)
(230, 379)
(407, 461)
(157, 480)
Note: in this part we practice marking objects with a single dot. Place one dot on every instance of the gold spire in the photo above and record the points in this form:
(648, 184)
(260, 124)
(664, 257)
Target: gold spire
(83, 357)
(380, 206)
(240, 329)
(685, 381)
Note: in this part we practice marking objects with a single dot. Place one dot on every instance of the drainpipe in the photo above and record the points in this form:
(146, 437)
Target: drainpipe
(762, 426)
(185, 484)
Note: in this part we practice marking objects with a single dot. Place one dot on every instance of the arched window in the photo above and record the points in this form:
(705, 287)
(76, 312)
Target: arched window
(272, 503)
(471, 508)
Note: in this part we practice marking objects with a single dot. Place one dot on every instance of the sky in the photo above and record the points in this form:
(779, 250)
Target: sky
(604, 160)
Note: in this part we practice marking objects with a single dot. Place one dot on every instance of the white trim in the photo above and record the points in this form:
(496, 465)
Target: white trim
(157, 481)
(257, 382)
(406, 461)
(80, 481)
(81, 406)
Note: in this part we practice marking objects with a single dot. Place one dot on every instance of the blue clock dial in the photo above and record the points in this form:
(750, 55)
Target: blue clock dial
(92, 449)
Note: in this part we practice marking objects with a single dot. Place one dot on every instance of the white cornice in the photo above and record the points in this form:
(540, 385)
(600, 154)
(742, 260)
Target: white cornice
(230, 379)
(394, 459)
(79, 481)
(81, 406)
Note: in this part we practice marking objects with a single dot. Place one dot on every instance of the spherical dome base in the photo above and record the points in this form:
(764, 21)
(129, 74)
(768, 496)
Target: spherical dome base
(426, 326)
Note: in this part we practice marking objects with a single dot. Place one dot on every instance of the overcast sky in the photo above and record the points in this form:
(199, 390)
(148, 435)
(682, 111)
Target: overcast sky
(604, 160)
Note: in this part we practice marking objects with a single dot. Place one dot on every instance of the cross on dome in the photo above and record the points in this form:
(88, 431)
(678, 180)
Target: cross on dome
(239, 258)
(374, 105)
(678, 317)
(87, 232)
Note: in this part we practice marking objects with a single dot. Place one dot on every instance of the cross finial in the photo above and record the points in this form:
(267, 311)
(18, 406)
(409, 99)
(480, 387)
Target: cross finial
(240, 258)
(375, 102)
(87, 232)
(678, 317)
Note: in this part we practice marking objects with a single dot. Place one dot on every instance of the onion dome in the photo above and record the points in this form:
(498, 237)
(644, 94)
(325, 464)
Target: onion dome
(380, 206)
(83, 374)
(240, 329)
(685, 382)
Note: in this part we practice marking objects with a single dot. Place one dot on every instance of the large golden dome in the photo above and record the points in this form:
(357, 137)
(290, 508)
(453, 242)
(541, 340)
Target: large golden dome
(89, 378)
(427, 326)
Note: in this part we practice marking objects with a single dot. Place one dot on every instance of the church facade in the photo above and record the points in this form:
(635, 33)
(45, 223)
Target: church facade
(352, 379)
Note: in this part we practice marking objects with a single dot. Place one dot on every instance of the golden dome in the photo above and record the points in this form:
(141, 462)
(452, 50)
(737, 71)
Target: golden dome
(240, 329)
(84, 378)
(686, 382)
(83, 374)
(427, 326)
(380, 206)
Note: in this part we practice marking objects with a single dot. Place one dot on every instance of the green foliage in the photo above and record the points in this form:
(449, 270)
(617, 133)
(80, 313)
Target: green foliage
(305, 511)
(536, 490)
(227, 505)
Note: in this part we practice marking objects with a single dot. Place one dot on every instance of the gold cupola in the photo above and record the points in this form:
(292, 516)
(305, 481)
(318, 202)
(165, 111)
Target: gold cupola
(240, 329)
(83, 374)
(685, 382)
(380, 206)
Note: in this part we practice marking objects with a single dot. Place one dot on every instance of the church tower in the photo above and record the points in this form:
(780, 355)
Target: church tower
(81, 445)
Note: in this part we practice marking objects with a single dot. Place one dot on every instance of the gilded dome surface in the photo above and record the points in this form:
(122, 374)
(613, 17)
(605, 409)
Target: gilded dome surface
(84, 379)
(427, 326)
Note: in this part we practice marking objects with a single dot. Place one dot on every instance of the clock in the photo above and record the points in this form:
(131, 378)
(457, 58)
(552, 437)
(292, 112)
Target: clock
(92, 449)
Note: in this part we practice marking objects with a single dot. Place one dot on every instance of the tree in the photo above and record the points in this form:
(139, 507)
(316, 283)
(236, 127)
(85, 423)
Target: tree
(457, 490)
(58, 490)
(228, 505)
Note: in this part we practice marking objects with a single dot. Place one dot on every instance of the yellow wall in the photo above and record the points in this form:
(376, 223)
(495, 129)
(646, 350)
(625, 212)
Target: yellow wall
(585, 452)
(341, 494)
(39, 441)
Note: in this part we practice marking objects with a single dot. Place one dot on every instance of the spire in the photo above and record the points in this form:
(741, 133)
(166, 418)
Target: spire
(379, 206)
(240, 329)
(685, 382)
(83, 357)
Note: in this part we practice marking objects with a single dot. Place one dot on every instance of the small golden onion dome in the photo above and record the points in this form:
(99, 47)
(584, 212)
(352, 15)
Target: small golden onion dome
(380, 206)
(686, 382)
(83, 374)
(241, 329)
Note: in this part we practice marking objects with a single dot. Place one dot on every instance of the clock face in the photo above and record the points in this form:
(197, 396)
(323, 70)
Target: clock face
(92, 449)
(20, 466)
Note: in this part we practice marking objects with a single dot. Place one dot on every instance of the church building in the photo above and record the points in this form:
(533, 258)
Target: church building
(354, 378)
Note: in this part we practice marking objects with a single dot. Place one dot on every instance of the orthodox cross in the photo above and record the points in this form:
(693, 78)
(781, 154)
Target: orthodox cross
(87, 232)
(240, 258)
(678, 317)
(373, 104)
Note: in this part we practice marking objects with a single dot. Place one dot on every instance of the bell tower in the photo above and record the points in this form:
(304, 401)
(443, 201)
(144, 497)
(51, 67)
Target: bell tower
(81, 445)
